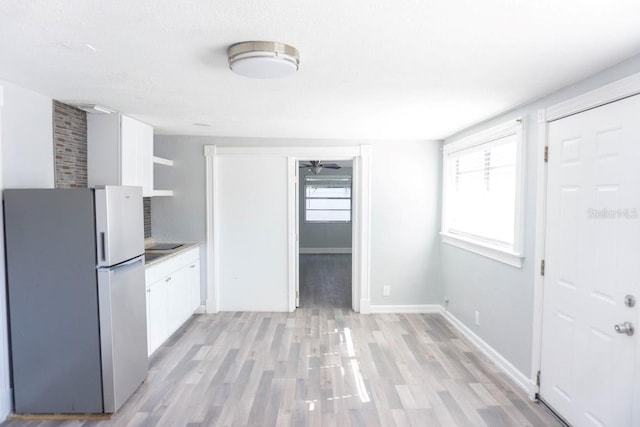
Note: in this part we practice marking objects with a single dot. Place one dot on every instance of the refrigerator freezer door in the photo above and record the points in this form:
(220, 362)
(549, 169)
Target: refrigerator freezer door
(119, 224)
(53, 300)
(123, 326)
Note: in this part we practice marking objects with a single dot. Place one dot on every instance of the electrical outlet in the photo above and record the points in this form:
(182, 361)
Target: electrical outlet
(386, 291)
(477, 318)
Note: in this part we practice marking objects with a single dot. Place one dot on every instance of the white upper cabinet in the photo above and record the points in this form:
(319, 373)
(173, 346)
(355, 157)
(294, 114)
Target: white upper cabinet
(119, 152)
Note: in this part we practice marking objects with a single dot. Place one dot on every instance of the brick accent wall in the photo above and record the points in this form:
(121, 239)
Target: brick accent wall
(147, 216)
(70, 145)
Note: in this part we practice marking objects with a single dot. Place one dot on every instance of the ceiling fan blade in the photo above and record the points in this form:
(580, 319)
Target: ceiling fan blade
(331, 166)
(305, 165)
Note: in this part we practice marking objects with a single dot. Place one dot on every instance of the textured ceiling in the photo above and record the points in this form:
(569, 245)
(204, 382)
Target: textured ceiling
(383, 69)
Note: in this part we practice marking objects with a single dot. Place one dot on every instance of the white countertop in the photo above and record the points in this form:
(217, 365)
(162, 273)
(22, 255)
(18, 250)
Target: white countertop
(166, 254)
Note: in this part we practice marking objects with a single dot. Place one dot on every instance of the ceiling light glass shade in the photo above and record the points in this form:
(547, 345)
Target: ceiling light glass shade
(263, 60)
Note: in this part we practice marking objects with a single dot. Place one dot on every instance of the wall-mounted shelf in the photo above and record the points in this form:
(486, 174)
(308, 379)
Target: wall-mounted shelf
(162, 164)
(162, 161)
(162, 193)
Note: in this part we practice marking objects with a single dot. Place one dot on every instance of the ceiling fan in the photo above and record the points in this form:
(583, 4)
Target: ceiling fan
(316, 166)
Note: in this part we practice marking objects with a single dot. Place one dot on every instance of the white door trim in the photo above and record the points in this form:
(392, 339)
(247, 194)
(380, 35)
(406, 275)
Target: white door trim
(293, 231)
(211, 193)
(361, 156)
(612, 92)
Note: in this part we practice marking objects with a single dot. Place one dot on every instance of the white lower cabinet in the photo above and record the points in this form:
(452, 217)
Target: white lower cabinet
(173, 294)
(157, 326)
(194, 281)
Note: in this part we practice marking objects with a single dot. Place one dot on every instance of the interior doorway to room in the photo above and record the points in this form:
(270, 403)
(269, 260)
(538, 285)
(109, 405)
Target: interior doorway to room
(325, 212)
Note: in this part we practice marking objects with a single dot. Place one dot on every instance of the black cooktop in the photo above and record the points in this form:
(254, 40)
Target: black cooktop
(164, 246)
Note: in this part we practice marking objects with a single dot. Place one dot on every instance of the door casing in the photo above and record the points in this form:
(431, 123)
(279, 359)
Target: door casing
(297, 190)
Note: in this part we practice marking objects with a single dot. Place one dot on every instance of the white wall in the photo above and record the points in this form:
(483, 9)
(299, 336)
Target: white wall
(405, 218)
(26, 159)
(503, 294)
(323, 235)
(404, 203)
(27, 139)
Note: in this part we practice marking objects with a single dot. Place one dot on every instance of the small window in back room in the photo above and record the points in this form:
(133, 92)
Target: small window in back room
(327, 198)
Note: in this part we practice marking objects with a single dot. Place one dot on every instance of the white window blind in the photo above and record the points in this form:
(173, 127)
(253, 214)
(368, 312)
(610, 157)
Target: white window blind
(327, 198)
(481, 194)
(482, 186)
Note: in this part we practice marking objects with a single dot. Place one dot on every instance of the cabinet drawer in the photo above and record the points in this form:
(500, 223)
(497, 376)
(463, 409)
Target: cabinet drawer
(160, 270)
(190, 256)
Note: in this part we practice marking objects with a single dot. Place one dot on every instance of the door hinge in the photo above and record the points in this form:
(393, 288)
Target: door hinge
(546, 153)
(538, 379)
(542, 268)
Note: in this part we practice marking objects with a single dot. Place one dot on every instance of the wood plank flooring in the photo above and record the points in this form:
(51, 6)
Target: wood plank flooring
(321, 367)
(325, 280)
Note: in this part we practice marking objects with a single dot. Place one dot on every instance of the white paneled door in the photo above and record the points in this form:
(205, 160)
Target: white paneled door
(590, 357)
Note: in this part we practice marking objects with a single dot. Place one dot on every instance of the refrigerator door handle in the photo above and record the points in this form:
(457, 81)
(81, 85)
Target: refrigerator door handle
(103, 249)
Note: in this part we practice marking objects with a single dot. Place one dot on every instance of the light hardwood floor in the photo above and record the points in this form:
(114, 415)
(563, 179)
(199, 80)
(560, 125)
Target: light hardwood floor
(322, 365)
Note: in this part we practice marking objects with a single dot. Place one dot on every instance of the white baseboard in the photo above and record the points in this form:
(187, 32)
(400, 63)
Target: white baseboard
(365, 306)
(422, 308)
(201, 310)
(325, 251)
(526, 384)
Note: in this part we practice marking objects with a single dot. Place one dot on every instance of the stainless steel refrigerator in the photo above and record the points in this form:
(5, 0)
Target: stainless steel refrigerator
(76, 296)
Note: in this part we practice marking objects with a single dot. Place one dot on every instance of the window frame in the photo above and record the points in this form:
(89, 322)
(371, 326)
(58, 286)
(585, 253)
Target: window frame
(350, 199)
(508, 254)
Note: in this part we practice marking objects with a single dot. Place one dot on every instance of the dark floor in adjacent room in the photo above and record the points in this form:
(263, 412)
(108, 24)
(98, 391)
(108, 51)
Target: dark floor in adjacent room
(325, 280)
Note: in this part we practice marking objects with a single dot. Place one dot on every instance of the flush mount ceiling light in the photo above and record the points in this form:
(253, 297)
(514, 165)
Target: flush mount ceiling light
(263, 60)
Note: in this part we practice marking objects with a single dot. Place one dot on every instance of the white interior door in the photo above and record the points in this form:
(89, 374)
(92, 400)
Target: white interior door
(252, 235)
(590, 372)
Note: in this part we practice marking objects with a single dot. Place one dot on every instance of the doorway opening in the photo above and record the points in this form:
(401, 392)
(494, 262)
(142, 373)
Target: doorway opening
(325, 205)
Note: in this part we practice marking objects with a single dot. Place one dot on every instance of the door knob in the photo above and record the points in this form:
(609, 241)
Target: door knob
(625, 328)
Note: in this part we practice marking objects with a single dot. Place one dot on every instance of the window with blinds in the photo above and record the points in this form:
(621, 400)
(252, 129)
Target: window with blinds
(482, 182)
(481, 196)
(327, 198)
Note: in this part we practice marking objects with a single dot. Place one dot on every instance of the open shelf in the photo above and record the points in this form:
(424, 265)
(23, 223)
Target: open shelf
(162, 193)
(162, 161)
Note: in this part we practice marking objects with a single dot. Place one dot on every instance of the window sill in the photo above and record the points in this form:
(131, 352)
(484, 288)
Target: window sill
(498, 254)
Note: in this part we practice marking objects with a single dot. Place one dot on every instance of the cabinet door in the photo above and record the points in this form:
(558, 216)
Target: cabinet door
(184, 309)
(176, 311)
(147, 161)
(194, 285)
(157, 326)
(132, 151)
